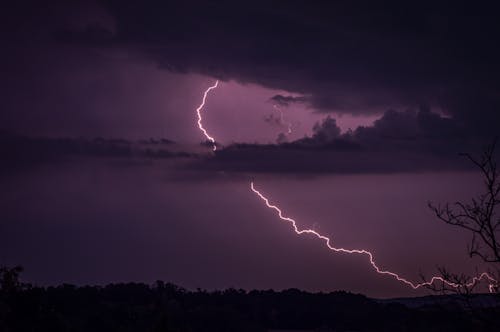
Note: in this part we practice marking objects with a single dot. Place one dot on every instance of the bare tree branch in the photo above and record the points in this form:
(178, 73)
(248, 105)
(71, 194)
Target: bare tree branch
(480, 217)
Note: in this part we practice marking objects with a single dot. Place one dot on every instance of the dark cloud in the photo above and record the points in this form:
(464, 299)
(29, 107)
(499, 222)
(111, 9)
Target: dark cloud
(285, 101)
(348, 57)
(343, 57)
(412, 126)
(20, 152)
(326, 131)
(351, 57)
(409, 141)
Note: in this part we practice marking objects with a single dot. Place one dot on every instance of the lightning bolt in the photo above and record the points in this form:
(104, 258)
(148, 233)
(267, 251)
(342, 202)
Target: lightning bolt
(198, 112)
(493, 283)
(282, 120)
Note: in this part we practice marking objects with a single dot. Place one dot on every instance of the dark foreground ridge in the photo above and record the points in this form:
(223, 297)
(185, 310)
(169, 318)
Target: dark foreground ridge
(167, 307)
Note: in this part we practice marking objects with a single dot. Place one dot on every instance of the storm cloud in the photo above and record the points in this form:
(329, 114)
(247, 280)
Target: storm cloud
(342, 57)
(410, 141)
(348, 57)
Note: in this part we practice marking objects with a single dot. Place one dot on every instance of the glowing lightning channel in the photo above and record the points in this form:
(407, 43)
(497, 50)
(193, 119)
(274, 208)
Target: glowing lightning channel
(198, 111)
(282, 120)
(493, 283)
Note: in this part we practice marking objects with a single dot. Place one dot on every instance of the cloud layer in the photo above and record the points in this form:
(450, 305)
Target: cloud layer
(338, 57)
(410, 141)
(346, 57)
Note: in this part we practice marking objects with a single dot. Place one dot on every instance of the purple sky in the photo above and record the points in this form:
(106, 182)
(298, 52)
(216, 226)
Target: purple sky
(380, 103)
(96, 223)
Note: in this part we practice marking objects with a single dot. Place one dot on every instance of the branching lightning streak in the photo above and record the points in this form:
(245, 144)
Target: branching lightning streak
(198, 111)
(493, 283)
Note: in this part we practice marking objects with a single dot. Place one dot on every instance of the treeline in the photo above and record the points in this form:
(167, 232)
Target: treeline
(167, 307)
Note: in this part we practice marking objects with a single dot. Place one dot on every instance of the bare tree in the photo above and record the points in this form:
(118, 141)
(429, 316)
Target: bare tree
(479, 217)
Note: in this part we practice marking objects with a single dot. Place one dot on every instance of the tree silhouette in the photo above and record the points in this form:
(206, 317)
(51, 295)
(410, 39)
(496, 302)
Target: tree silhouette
(9, 279)
(480, 217)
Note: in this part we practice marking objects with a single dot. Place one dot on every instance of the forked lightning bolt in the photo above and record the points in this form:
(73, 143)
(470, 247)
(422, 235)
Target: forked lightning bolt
(198, 111)
(493, 283)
